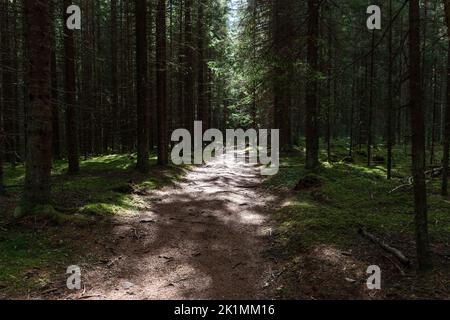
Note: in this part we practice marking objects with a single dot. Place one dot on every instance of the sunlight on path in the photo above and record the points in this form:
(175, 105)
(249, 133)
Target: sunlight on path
(204, 238)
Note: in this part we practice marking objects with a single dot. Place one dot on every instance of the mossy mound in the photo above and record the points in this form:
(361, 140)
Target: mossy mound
(309, 181)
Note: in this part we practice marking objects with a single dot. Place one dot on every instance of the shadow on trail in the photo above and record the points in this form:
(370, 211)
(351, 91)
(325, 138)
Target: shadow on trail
(204, 238)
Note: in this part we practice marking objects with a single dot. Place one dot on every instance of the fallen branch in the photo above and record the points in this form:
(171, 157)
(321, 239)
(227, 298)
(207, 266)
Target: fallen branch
(430, 174)
(397, 253)
(409, 184)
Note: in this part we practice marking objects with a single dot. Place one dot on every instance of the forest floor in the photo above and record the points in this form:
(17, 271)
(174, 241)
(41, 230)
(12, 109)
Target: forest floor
(223, 232)
(202, 237)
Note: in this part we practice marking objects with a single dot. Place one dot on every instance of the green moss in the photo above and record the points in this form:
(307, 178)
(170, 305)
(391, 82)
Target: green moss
(29, 260)
(25, 256)
(351, 195)
(96, 191)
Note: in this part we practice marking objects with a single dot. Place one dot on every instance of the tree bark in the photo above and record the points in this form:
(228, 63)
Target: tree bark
(311, 117)
(446, 141)
(418, 139)
(2, 132)
(114, 84)
(70, 96)
(39, 147)
(54, 100)
(283, 41)
(189, 69)
(202, 112)
(390, 105)
(161, 82)
(143, 163)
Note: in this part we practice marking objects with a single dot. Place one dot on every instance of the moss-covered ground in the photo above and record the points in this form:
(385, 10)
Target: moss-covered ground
(33, 249)
(348, 195)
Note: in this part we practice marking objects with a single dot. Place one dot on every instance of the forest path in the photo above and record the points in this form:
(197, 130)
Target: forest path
(203, 238)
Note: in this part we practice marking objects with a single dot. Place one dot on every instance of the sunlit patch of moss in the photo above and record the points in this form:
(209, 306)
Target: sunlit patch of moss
(148, 185)
(108, 204)
(100, 209)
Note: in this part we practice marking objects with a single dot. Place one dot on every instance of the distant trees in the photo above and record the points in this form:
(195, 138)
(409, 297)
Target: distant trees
(98, 83)
(39, 133)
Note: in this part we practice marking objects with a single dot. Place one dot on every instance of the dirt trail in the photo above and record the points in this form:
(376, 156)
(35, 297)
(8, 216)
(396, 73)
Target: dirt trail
(203, 238)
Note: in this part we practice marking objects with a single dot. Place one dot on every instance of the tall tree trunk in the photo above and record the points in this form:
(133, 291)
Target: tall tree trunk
(418, 138)
(283, 41)
(161, 79)
(87, 77)
(446, 140)
(311, 117)
(70, 96)
(189, 69)
(434, 116)
(8, 88)
(202, 112)
(39, 154)
(181, 69)
(143, 163)
(15, 76)
(390, 105)
(371, 94)
(2, 107)
(254, 107)
(54, 100)
(114, 75)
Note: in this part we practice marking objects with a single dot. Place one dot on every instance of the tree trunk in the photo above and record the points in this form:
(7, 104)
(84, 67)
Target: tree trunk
(8, 88)
(54, 100)
(2, 107)
(161, 79)
(311, 117)
(189, 69)
(203, 112)
(370, 113)
(446, 141)
(70, 96)
(283, 42)
(143, 163)
(180, 74)
(39, 147)
(114, 83)
(390, 105)
(418, 138)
